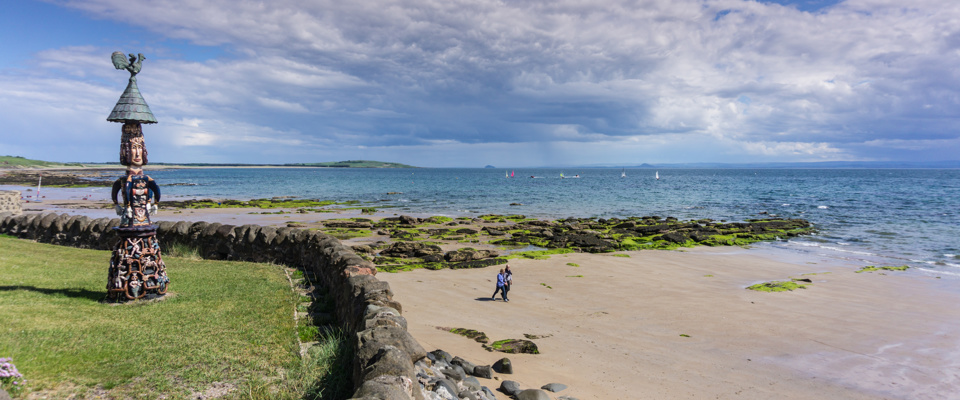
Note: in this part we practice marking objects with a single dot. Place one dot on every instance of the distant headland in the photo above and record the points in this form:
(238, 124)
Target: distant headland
(17, 162)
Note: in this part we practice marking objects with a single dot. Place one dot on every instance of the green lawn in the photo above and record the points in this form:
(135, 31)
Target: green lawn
(222, 323)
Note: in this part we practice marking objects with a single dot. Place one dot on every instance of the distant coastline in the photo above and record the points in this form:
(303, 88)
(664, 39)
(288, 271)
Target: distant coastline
(16, 162)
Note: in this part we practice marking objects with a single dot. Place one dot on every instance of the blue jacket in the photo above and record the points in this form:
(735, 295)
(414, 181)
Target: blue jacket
(499, 280)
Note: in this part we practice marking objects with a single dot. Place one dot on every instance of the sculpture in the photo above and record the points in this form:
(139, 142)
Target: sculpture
(136, 267)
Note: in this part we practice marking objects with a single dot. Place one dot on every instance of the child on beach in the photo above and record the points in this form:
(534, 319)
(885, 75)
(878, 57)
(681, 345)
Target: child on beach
(501, 279)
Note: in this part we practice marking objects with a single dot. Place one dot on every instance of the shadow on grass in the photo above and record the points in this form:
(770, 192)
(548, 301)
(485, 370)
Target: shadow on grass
(78, 293)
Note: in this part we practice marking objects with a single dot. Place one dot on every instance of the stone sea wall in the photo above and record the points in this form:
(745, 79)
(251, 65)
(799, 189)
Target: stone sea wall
(385, 352)
(10, 201)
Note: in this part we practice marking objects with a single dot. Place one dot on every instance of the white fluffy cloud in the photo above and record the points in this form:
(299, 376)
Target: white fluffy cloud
(724, 80)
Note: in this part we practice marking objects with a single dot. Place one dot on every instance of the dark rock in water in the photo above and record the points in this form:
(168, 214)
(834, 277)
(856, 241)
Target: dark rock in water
(483, 371)
(511, 388)
(533, 394)
(503, 366)
(553, 387)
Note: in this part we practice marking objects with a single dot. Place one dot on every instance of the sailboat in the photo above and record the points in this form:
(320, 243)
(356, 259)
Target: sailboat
(511, 174)
(561, 175)
(505, 174)
(657, 175)
(38, 187)
(623, 173)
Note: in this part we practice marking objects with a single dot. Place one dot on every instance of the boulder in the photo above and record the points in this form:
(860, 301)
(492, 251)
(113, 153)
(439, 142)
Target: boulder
(511, 388)
(483, 371)
(503, 366)
(533, 394)
(467, 366)
(553, 387)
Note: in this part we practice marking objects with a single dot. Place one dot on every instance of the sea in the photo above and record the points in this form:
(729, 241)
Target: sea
(862, 216)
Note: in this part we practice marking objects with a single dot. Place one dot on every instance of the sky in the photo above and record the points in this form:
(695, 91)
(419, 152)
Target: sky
(469, 83)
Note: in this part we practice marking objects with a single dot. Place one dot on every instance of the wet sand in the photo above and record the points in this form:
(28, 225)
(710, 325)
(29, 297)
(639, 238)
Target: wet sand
(613, 325)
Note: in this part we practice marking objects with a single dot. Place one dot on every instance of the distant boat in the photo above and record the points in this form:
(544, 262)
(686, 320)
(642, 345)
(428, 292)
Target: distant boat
(561, 175)
(657, 175)
(623, 174)
(511, 174)
(38, 186)
(505, 174)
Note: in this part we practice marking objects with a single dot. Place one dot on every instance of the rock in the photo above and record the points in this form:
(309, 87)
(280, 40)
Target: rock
(442, 355)
(511, 388)
(447, 385)
(503, 366)
(455, 374)
(466, 365)
(471, 383)
(567, 398)
(410, 249)
(514, 346)
(483, 371)
(408, 220)
(553, 387)
(533, 394)
(489, 393)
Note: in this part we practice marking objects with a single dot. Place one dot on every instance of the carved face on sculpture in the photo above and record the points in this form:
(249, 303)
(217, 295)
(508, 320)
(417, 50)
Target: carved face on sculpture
(136, 154)
(133, 151)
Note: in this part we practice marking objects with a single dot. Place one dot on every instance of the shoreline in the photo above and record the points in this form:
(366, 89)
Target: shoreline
(615, 330)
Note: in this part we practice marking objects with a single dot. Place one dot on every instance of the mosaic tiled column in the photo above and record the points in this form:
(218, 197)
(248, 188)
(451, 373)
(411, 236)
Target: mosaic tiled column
(136, 269)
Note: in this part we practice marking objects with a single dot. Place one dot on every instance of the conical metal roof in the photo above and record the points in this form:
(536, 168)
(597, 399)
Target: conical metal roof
(131, 107)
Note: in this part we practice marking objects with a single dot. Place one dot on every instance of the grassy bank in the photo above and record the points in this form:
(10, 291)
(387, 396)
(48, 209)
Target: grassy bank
(226, 327)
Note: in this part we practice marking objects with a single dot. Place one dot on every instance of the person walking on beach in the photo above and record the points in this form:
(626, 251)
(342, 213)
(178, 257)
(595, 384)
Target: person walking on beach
(500, 282)
(507, 281)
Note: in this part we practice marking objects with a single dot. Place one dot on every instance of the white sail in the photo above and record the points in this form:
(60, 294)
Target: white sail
(38, 186)
(623, 173)
(657, 175)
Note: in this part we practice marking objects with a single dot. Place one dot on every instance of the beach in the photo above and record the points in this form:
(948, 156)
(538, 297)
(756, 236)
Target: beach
(613, 327)
(669, 324)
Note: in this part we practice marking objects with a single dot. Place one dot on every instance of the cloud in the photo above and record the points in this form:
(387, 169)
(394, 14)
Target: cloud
(764, 80)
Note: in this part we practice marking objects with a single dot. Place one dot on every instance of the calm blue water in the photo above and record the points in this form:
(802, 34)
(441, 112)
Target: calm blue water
(881, 216)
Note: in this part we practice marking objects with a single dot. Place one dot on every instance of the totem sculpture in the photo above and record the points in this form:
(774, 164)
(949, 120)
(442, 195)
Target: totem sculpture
(136, 268)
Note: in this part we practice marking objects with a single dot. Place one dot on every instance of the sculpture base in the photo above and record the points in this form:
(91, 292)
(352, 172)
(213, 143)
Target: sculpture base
(136, 269)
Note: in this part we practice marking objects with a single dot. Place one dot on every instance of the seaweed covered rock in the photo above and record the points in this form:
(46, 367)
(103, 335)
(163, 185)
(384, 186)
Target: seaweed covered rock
(410, 249)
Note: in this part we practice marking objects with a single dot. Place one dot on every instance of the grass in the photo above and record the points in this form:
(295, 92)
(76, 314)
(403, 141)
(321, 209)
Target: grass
(222, 323)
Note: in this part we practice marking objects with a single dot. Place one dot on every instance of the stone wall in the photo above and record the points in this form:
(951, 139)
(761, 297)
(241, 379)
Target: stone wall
(385, 351)
(10, 201)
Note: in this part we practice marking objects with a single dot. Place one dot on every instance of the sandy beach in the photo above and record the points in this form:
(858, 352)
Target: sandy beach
(614, 326)
(671, 324)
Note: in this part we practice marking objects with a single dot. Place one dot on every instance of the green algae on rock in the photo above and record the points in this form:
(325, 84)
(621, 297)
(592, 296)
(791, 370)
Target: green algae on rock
(871, 268)
(513, 346)
(776, 286)
(476, 335)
